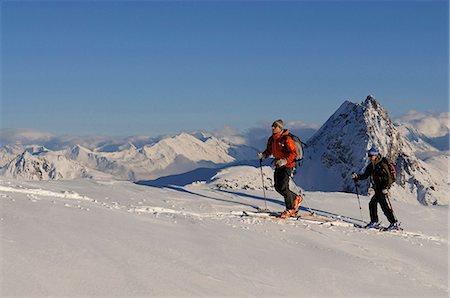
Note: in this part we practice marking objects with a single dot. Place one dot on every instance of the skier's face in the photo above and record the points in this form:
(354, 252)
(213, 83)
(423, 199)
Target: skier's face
(372, 158)
(276, 129)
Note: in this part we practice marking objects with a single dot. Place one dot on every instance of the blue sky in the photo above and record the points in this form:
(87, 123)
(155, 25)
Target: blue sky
(148, 68)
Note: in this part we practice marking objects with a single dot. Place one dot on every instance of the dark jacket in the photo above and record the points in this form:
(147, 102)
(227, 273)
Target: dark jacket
(378, 173)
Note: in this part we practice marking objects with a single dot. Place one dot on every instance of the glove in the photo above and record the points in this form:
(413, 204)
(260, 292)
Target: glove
(384, 191)
(260, 155)
(354, 176)
(281, 162)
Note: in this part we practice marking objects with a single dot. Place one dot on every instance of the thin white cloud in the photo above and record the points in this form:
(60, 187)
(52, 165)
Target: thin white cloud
(255, 137)
(296, 125)
(230, 134)
(23, 136)
(428, 124)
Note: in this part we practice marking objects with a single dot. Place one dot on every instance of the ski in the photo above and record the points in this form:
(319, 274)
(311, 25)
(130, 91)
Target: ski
(368, 229)
(263, 210)
(339, 218)
(379, 229)
(262, 214)
(277, 216)
(315, 217)
(399, 229)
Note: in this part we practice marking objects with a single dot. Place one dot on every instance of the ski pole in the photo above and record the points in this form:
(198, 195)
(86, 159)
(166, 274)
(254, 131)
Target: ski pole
(302, 194)
(359, 203)
(264, 188)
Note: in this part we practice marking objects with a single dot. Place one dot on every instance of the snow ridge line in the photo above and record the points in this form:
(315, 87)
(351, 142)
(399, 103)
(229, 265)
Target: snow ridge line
(46, 193)
(162, 210)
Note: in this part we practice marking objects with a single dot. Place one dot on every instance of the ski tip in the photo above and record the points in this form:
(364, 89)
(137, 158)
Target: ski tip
(260, 210)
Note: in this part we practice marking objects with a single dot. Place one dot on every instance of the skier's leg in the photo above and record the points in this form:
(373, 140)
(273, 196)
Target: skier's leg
(386, 209)
(288, 195)
(373, 209)
(277, 180)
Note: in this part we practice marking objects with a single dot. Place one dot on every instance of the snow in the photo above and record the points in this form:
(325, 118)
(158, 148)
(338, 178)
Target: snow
(107, 237)
(336, 150)
(244, 177)
(85, 229)
(428, 124)
(170, 155)
(339, 148)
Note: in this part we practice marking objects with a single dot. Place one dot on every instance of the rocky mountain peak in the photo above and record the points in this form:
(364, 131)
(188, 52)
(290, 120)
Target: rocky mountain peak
(340, 146)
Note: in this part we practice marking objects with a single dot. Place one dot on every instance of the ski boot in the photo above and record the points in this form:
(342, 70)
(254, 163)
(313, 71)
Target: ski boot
(392, 227)
(288, 213)
(298, 200)
(373, 225)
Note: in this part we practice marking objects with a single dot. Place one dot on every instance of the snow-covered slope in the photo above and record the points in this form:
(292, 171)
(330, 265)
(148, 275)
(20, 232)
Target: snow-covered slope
(168, 156)
(334, 151)
(339, 147)
(164, 152)
(105, 238)
(9, 152)
(111, 163)
(44, 166)
(422, 148)
(244, 177)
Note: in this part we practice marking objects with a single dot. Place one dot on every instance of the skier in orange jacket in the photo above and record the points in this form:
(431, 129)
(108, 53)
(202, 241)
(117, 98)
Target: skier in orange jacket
(281, 146)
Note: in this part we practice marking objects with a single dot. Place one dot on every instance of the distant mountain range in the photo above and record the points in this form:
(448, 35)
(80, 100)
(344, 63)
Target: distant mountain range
(335, 150)
(168, 156)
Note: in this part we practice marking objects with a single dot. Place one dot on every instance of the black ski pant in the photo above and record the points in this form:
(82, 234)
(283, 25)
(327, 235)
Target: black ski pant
(282, 177)
(380, 198)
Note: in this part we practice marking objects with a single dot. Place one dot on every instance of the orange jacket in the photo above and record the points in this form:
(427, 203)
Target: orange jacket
(281, 146)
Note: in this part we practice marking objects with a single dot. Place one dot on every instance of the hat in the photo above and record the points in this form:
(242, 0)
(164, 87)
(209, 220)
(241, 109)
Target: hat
(373, 151)
(278, 123)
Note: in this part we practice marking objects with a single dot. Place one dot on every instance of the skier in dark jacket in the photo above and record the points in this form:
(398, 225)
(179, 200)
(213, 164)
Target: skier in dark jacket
(379, 173)
(282, 147)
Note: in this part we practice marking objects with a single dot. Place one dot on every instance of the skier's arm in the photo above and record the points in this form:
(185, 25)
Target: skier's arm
(366, 173)
(268, 151)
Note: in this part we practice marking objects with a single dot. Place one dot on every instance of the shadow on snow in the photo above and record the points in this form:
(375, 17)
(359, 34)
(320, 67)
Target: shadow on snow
(178, 181)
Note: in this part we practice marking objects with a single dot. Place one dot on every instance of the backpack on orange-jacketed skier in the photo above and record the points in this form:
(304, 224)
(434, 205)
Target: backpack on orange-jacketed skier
(298, 147)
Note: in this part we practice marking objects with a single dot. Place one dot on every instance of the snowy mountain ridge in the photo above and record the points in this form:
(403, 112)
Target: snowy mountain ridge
(334, 151)
(171, 155)
(44, 166)
(339, 147)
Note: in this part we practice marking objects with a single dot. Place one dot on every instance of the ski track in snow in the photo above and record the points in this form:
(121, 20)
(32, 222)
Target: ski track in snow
(32, 193)
(263, 218)
(195, 207)
(340, 223)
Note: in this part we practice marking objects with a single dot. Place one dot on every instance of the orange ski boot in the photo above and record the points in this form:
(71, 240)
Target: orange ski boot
(288, 213)
(297, 202)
